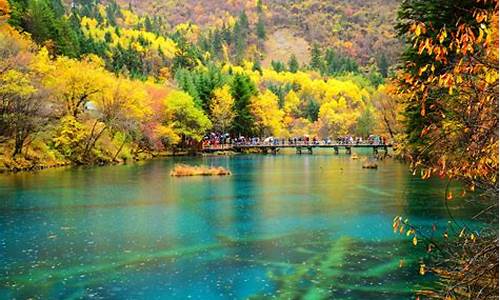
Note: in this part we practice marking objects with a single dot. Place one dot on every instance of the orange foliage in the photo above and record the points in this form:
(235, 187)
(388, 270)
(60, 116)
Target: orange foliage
(455, 84)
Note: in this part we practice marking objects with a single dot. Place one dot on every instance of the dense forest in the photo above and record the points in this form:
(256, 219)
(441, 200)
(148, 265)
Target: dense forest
(100, 82)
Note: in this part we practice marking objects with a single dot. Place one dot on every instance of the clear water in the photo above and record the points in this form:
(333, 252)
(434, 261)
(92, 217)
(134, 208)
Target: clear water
(287, 226)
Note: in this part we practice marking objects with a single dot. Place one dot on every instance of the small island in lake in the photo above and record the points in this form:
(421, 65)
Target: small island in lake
(370, 165)
(187, 170)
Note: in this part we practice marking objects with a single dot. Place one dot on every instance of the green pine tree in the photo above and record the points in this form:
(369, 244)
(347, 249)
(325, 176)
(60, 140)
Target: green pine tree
(242, 89)
(383, 65)
(261, 28)
(257, 65)
(316, 62)
(293, 64)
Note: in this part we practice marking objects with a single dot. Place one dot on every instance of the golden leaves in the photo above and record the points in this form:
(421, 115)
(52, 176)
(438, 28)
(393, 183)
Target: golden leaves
(480, 16)
(222, 108)
(4, 10)
(422, 269)
(418, 29)
(442, 35)
(491, 76)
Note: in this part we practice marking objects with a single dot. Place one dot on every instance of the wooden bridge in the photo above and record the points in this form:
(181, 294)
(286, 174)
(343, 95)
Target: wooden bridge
(300, 148)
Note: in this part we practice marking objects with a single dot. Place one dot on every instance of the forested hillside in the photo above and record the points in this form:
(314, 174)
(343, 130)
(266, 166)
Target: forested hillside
(101, 82)
(362, 29)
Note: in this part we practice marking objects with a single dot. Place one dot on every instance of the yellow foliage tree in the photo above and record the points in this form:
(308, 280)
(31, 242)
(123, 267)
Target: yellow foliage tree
(292, 102)
(268, 116)
(222, 109)
(4, 11)
(184, 118)
(337, 118)
(73, 83)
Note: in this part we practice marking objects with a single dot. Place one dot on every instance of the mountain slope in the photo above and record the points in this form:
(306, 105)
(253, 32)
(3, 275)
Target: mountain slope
(362, 29)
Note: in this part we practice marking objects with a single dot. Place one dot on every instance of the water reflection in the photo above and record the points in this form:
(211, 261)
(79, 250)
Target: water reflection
(284, 225)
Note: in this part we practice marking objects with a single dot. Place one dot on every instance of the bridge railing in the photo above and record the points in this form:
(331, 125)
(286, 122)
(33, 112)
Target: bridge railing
(288, 144)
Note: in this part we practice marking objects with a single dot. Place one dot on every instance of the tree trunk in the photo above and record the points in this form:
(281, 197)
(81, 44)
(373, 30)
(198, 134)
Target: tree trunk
(388, 127)
(19, 142)
(119, 149)
(92, 140)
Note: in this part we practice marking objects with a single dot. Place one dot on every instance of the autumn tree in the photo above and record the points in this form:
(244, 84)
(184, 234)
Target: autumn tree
(4, 11)
(389, 109)
(120, 108)
(365, 124)
(336, 118)
(222, 109)
(267, 115)
(449, 87)
(450, 83)
(185, 119)
(73, 83)
(292, 102)
(22, 111)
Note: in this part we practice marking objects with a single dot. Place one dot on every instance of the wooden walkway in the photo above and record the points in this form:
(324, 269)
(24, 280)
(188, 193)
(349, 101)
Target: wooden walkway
(299, 148)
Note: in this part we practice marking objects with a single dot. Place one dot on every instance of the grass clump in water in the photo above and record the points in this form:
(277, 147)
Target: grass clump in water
(186, 170)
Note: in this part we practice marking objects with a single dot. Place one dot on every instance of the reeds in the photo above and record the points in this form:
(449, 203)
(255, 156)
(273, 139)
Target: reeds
(186, 170)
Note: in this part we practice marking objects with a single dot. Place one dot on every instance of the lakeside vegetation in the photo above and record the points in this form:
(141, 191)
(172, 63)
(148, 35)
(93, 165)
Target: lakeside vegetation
(103, 82)
(449, 88)
(99, 84)
(186, 170)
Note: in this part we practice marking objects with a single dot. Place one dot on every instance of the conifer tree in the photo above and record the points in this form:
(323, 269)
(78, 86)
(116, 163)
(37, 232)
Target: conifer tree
(242, 89)
(293, 64)
(261, 28)
(316, 62)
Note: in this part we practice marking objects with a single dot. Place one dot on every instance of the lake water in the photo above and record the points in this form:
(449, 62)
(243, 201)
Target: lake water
(288, 226)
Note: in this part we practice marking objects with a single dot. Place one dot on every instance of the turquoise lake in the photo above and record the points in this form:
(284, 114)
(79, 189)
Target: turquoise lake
(284, 226)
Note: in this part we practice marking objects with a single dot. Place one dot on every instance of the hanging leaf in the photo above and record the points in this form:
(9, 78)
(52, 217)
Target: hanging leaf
(422, 269)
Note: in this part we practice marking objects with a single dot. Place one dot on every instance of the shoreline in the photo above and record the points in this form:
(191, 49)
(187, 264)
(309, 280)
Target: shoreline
(35, 167)
(151, 156)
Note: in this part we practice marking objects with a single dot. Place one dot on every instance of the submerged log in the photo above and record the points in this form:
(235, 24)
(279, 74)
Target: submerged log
(186, 170)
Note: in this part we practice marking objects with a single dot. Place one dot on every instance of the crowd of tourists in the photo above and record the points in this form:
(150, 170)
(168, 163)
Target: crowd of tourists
(216, 139)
